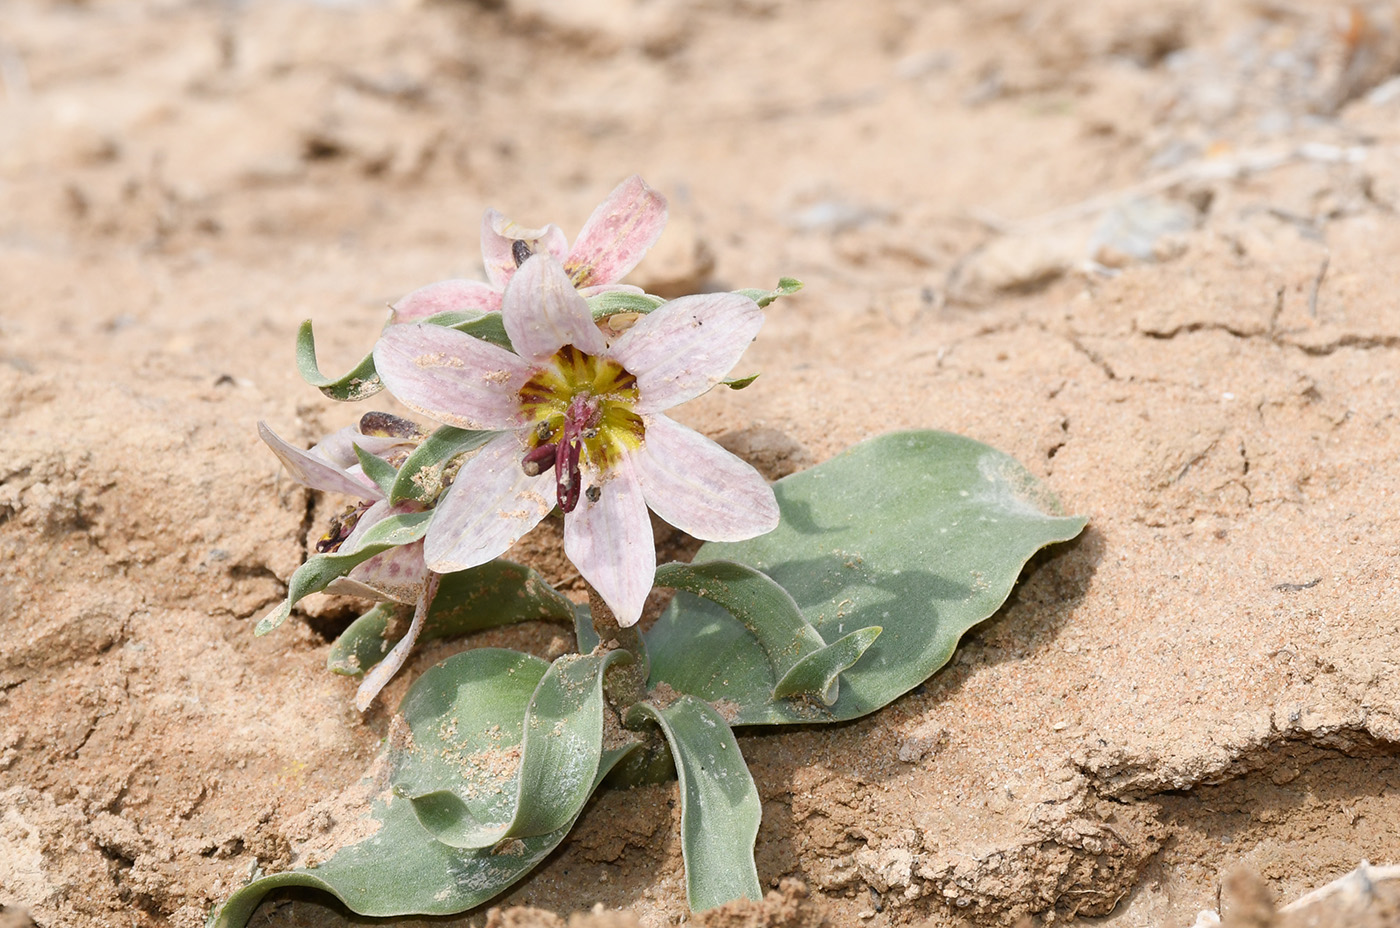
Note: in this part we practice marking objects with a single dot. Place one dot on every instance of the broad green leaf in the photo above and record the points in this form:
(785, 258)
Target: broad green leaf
(786, 286)
(472, 702)
(818, 673)
(318, 572)
(496, 593)
(759, 604)
(376, 469)
(360, 383)
(720, 808)
(922, 534)
(550, 773)
(421, 475)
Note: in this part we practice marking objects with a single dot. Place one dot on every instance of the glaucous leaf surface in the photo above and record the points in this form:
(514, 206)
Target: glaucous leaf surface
(720, 808)
(512, 783)
(459, 708)
(921, 534)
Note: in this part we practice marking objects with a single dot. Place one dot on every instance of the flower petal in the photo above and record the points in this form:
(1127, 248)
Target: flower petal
(314, 471)
(443, 297)
(610, 543)
(617, 235)
(542, 312)
(491, 503)
(451, 376)
(701, 488)
(339, 446)
(395, 575)
(382, 672)
(498, 238)
(686, 346)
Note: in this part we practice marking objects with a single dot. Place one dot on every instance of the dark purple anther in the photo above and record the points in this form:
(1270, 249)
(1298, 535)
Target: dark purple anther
(539, 459)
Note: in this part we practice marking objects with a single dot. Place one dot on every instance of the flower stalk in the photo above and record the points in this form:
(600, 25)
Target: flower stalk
(626, 683)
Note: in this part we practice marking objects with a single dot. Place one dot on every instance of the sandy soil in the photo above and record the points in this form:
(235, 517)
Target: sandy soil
(1149, 248)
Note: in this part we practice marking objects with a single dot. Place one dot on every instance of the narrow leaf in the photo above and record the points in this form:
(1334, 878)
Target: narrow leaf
(740, 383)
(584, 632)
(720, 808)
(360, 383)
(420, 477)
(376, 469)
(486, 326)
(818, 674)
(611, 302)
(318, 572)
(760, 605)
(786, 286)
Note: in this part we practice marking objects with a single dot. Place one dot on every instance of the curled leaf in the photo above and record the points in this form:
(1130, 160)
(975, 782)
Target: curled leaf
(361, 382)
(720, 808)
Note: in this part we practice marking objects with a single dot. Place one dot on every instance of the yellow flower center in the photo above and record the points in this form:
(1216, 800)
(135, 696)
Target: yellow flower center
(580, 406)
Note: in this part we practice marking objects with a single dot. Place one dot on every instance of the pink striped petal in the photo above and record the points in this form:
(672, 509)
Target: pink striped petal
(699, 487)
(617, 235)
(498, 238)
(451, 376)
(686, 346)
(395, 575)
(610, 542)
(381, 673)
(542, 312)
(491, 503)
(443, 297)
(314, 471)
(339, 446)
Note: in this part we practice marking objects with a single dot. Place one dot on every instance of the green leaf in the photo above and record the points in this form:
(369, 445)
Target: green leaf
(817, 674)
(320, 571)
(740, 382)
(620, 301)
(483, 800)
(584, 632)
(759, 604)
(720, 808)
(398, 869)
(420, 477)
(360, 383)
(377, 469)
(497, 593)
(489, 327)
(786, 286)
(921, 533)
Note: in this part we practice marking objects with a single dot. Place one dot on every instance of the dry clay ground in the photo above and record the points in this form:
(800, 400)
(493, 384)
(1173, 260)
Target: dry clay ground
(1149, 248)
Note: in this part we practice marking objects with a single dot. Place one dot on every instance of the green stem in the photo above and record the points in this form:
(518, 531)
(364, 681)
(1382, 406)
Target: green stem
(626, 684)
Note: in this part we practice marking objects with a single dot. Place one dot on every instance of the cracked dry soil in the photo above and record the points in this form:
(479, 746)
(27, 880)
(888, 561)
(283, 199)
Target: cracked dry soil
(1147, 248)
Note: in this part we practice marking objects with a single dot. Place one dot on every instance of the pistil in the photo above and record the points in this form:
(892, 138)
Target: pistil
(580, 423)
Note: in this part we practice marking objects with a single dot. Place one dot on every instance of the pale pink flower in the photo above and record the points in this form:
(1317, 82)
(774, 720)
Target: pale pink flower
(566, 400)
(611, 243)
(398, 574)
